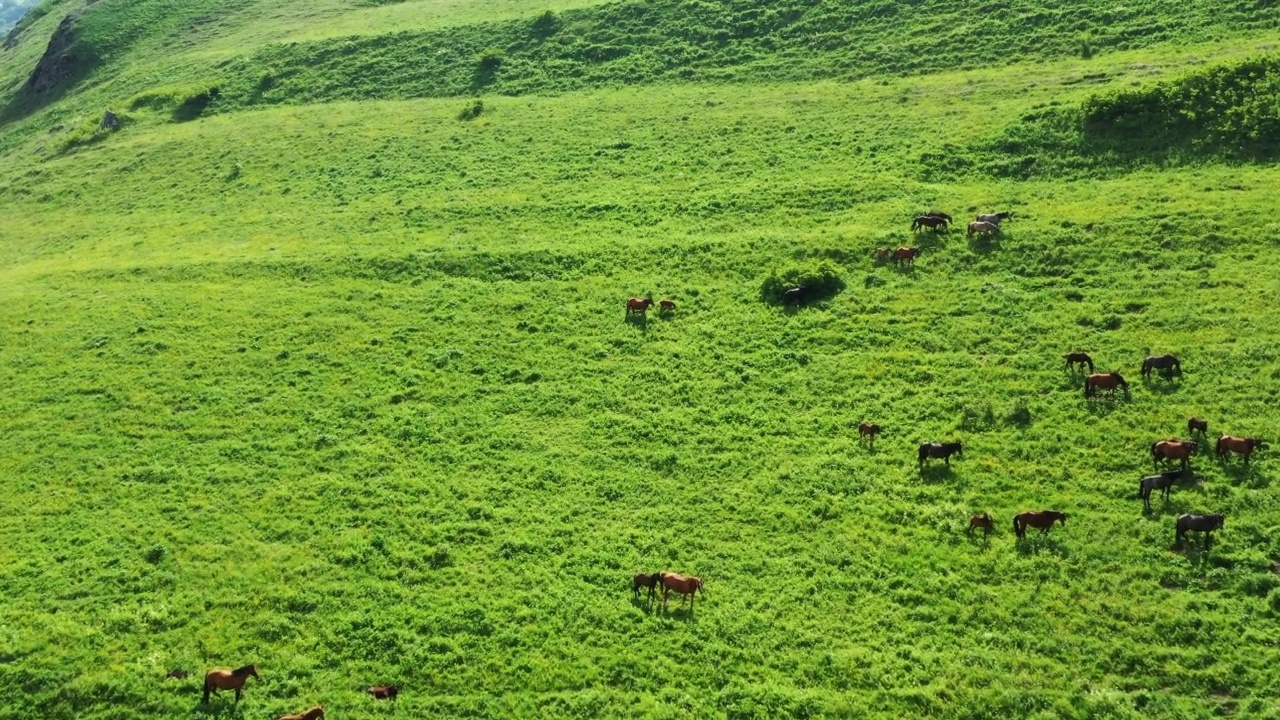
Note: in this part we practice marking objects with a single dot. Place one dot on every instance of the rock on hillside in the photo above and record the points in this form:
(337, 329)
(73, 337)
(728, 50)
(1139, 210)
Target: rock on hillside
(57, 64)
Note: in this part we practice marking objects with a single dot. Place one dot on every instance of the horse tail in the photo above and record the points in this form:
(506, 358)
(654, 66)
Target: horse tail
(1016, 531)
(1142, 486)
(207, 688)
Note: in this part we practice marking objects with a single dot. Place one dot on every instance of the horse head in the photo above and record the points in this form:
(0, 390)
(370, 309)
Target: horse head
(251, 670)
(1062, 518)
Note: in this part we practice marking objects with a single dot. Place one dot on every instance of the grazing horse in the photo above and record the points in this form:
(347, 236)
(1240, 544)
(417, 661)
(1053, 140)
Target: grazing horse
(666, 306)
(983, 228)
(1078, 358)
(1173, 449)
(932, 222)
(882, 254)
(384, 692)
(1168, 363)
(1108, 381)
(640, 580)
(793, 296)
(1239, 445)
(906, 255)
(639, 306)
(939, 450)
(686, 586)
(1198, 523)
(1043, 519)
(1161, 482)
(981, 521)
(935, 213)
(995, 218)
(314, 713)
(224, 679)
(868, 431)
(176, 674)
(1196, 425)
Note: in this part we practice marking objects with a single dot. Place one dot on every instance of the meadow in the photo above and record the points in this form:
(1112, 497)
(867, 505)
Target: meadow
(345, 389)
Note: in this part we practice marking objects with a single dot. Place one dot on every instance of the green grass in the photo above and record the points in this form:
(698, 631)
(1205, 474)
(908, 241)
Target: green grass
(346, 390)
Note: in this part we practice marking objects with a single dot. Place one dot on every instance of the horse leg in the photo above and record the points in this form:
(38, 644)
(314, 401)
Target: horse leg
(237, 696)
(205, 699)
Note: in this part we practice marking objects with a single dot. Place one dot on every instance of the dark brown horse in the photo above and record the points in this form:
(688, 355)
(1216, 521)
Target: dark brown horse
(224, 679)
(935, 213)
(1173, 449)
(178, 674)
(314, 713)
(1240, 446)
(1078, 358)
(868, 431)
(906, 255)
(1196, 425)
(384, 692)
(1198, 523)
(1168, 363)
(939, 450)
(1108, 381)
(666, 306)
(1161, 482)
(983, 228)
(981, 521)
(932, 222)
(1043, 519)
(645, 580)
(686, 586)
(638, 306)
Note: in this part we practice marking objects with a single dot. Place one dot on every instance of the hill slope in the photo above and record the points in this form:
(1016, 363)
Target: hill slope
(344, 388)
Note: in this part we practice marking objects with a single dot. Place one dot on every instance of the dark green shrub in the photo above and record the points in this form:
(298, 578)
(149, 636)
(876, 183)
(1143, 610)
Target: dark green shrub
(194, 104)
(820, 282)
(546, 24)
(472, 111)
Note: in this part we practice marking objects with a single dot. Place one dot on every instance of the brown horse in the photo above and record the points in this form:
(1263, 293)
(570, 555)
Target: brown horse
(1108, 381)
(1173, 449)
(384, 692)
(224, 679)
(933, 222)
(178, 674)
(666, 306)
(1043, 519)
(1078, 358)
(686, 586)
(647, 580)
(868, 431)
(983, 228)
(981, 521)
(1196, 425)
(882, 254)
(314, 713)
(906, 255)
(638, 305)
(1239, 445)
(1198, 523)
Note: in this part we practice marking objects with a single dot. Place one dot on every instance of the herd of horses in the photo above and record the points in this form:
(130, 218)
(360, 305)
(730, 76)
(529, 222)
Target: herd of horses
(1168, 365)
(229, 679)
(984, 226)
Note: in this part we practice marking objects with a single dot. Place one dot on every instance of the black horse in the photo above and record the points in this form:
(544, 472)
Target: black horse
(939, 450)
(1168, 363)
(1198, 523)
(1079, 358)
(794, 296)
(1161, 482)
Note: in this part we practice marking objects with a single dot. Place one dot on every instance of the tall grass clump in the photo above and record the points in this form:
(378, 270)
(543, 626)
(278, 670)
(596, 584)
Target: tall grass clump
(819, 282)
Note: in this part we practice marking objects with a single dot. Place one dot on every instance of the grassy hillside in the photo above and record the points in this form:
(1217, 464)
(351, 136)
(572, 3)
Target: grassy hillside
(345, 389)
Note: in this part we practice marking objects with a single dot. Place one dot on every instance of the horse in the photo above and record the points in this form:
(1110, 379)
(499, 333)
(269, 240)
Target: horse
(314, 713)
(868, 431)
(981, 521)
(1168, 363)
(936, 214)
(640, 580)
(882, 254)
(638, 306)
(932, 222)
(1198, 523)
(1108, 381)
(983, 228)
(178, 674)
(686, 586)
(1173, 449)
(1196, 425)
(1242, 446)
(995, 218)
(1161, 482)
(939, 450)
(793, 296)
(224, 679)
(906, 255)
(1078, 358)
(383, 692)
(1043, 519)
(666, 306)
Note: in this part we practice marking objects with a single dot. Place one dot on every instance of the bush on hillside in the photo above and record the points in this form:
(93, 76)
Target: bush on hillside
(820, 282)
(472, 111)
(195, 103)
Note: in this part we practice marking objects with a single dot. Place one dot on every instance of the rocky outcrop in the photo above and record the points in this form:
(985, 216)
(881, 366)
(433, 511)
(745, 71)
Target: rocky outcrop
(58, 62)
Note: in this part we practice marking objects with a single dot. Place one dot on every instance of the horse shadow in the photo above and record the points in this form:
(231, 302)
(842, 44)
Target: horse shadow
(983, 245)
(679, 612)
(644, 603)
(1160, 385)
(1246, 475)
(217, 709)
(1035, 542)
(638, 320)
(1102, 406)
(936, 471)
